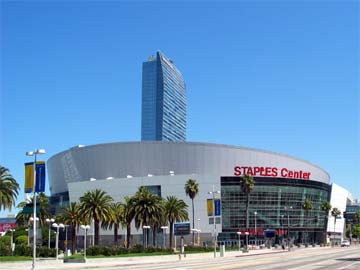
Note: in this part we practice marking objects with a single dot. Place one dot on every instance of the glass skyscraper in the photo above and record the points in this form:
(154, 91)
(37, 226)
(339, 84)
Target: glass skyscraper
(163, 101)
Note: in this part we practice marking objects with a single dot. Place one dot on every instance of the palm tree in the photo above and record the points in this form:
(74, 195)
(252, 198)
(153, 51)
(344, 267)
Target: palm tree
(307, 206)
(326, 207)
(115, 219)
(357, 217)
(129, 213)
(174, 210)
(9, 189)
(335, 213)
(95, 204)
(71, 216)
(191, 190)
(148, 210)
(43, 201)
(247, 186)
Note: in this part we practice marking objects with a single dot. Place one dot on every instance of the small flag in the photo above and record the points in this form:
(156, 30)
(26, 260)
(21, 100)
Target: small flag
(40, 177)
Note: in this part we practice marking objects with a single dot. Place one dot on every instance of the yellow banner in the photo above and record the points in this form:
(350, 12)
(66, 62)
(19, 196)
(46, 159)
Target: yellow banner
(29, 177)
(210, 207)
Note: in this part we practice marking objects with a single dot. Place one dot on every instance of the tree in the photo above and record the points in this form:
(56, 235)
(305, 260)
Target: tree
(71, 216)
(247, 184)
(174, 210)
(95, 204)
(357, 217)
(356, 231)
(129, 213)
(191, 190)
(115, 219)
(326, 207)
(148, 210)
(307, 206)
(335, 213)
(9, 189)
(42, 200)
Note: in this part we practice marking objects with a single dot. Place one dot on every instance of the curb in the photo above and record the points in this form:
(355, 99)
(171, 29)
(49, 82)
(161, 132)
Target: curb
(264, 253)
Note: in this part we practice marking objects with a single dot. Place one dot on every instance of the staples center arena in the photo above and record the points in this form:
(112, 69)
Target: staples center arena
(282, 183)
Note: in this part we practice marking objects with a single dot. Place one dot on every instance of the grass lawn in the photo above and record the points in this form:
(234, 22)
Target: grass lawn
(131, 255)
(14, 258)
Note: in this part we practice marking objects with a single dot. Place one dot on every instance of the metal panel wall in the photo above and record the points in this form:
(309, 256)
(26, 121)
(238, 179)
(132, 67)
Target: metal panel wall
(158, 158)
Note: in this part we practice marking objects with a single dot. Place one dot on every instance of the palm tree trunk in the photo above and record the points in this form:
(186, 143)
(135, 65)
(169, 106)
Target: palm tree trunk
(247, 216)
(325, 229)
(128, 234)
(334, 230)
(193, 217)
(154, 236)
(147, 238)
(73, 239)
(116, 226)
(96, 222)
(171, 234)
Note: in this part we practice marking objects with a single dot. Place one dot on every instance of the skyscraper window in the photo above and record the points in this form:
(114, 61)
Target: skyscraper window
(163, 101)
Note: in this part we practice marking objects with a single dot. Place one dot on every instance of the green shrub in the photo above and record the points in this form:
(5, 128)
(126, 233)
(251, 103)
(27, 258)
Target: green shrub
(93, 251)
(120, 250)
(5, 240)
(22, 250)
(152, 249)
(136, 249)
(21, 240)
(46, 252)
(197, 248)
(107, 251)
(5, 250)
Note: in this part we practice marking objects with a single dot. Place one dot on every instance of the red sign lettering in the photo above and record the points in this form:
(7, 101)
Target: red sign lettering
(271, 172)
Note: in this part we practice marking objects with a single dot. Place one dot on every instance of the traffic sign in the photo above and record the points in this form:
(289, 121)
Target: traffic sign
(182, 228)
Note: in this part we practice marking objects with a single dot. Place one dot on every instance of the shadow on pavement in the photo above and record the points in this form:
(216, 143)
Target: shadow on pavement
(349, 259)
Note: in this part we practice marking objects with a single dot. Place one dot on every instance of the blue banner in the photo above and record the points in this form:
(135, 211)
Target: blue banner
(40, 176)
(217, 207)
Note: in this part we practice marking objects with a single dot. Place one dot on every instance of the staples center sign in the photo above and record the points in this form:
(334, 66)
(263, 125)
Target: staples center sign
(271, 172)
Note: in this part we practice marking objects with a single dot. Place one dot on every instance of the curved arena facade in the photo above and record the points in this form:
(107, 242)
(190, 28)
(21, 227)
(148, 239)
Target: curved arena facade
(282, 183)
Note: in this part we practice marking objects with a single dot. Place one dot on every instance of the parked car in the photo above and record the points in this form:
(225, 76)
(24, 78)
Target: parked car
(345, 243)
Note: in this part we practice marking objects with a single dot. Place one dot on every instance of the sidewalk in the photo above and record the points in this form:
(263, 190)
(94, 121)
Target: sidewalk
(123, 261)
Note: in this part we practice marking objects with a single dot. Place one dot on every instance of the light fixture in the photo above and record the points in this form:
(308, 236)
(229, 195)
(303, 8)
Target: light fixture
(86, 228)
(49, 221)
(57, 226)
(129, 176)
(92, 179)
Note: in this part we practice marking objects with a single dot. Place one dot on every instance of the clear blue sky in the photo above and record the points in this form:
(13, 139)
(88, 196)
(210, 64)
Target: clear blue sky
(281, 76)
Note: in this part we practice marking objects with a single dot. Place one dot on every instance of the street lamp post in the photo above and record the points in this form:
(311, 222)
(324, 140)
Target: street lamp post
(146, 227)
(198, 238)
(28, 239)
(282, 226)
(213, 192)
(12, 241)
(239, 234)
(66, 240)
(57, 226)
(164, 228)
(49, 221)
(247, 239)
(34, 153)
(255, 213)
(86, 228)
(288, 225)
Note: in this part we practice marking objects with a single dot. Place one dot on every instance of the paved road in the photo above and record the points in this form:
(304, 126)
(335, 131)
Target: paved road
(298, 259)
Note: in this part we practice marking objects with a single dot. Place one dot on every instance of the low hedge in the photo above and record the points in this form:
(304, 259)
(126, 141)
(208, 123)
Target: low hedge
(22, 250)
(114, 251)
